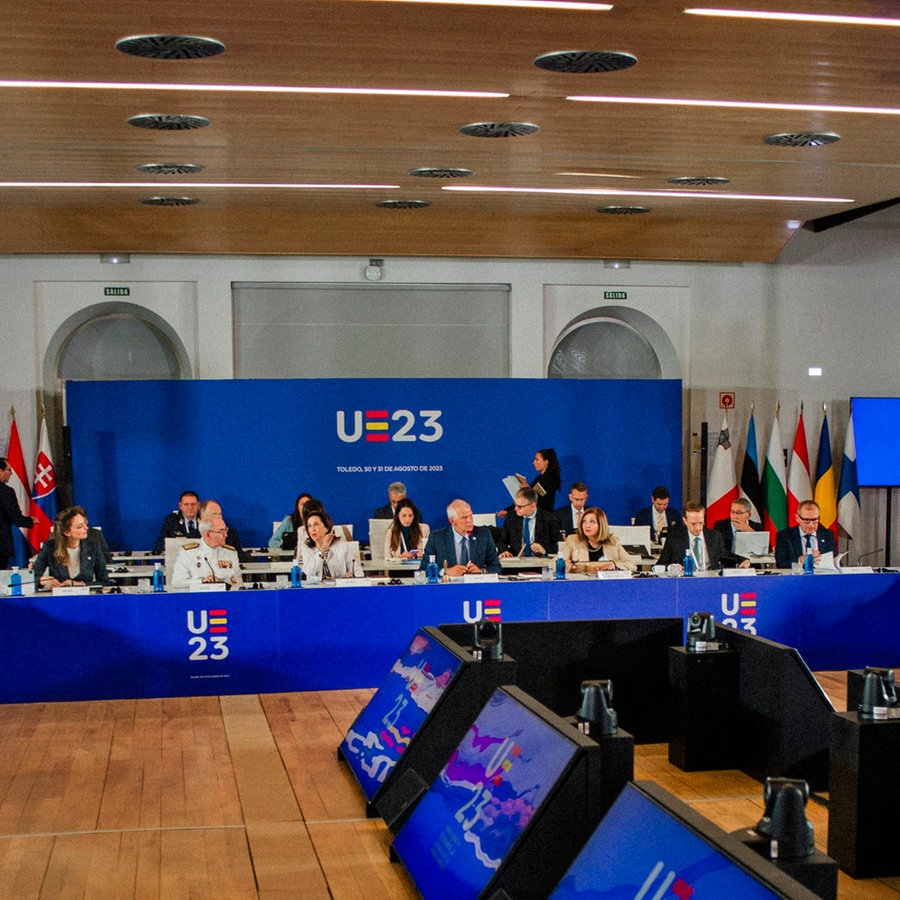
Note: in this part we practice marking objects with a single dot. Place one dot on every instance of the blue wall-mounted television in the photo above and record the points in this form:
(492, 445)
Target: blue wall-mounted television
(876, 432)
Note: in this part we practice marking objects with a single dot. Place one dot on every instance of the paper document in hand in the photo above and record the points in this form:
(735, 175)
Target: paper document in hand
(511, 483)
(827, 561)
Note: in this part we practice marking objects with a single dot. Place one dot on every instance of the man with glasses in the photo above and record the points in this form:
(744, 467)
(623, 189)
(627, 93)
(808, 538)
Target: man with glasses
(208, 560)
(10, 514)
(807, 536)
(531, 531)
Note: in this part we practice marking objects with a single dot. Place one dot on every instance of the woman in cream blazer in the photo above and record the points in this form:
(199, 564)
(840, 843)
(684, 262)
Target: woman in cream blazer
(592, 548)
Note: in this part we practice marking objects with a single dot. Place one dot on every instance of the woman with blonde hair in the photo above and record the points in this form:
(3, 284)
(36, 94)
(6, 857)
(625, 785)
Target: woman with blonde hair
(593, 548)
(71, 555)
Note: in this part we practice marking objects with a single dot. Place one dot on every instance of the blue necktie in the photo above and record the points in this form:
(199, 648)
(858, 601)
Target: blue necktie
(464, 551)
(526, 537)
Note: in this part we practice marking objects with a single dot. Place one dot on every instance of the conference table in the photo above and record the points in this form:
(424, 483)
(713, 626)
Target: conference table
(346, 635)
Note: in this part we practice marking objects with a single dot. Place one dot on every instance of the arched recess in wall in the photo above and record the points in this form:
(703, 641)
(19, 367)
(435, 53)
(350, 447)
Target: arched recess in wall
(108, 341)
(613, 342)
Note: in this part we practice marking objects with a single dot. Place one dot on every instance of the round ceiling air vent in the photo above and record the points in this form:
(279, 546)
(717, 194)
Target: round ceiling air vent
(698, 180)
(585, 61)
(802, 139)
(162, 122)
(170, 201)
(169, 169)
(623, 210)
(169, 46)
(402, 204)
(434, 172)
(499, 129)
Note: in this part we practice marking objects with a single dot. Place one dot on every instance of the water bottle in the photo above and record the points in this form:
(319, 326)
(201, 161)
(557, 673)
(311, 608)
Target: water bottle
(431, 571)
(688, 563)
(296, 575)
(809, 565)
(560, 568)
(159, 579)
(15, 583)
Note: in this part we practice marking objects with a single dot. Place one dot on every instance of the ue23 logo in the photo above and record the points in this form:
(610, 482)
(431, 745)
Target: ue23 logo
(375, 424)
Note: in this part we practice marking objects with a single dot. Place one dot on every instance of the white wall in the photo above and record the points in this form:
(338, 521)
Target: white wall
(832, 300)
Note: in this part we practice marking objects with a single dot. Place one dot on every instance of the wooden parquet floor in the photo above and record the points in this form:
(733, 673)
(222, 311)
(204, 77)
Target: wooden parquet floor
(241, 797)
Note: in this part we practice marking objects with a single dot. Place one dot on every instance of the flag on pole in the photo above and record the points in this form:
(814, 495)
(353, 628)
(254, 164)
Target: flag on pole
(750, 487)
(19, 483)
(44, 499)
(825, 492)
(798, 483)
(773, 485)
(848, 492)
(722, 487)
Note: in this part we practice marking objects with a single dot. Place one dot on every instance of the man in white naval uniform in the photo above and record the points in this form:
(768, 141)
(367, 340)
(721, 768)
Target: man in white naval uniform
(209, 559)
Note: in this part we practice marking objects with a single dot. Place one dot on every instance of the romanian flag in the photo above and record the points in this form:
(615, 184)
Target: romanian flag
(825, 492)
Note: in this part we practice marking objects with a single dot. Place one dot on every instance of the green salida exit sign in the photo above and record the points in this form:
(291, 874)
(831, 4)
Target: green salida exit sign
(116, 292)
(615, 295)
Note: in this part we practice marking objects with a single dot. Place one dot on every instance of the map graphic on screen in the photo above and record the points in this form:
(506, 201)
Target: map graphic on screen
(383, 730)
(483, 799)
(641, 851)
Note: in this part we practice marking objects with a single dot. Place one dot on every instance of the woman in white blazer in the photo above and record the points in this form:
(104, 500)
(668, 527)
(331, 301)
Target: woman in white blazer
(592, 548)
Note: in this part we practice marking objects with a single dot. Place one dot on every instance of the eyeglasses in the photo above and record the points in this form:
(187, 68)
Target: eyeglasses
(523, 505)
(808, 521)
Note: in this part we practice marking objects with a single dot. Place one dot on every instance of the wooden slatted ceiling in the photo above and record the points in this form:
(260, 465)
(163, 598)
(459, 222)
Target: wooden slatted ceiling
(54, 134)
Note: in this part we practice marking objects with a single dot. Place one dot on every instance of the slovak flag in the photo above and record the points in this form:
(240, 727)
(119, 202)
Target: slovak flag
(44, 501)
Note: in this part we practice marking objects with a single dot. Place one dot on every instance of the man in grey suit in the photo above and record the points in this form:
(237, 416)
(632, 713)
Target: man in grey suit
(465, 549)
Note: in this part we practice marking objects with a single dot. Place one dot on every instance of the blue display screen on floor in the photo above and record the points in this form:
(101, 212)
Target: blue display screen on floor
(640, 850)
(383, 730)
(493, 784)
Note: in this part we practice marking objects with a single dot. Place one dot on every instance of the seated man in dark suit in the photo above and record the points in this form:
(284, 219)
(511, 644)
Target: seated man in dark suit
(181, 522)
(659, 515)
(704, 544)
(568, 516)
(739, 520)
(461, 548)
(807, 536)
(396, 493)
(538, 525)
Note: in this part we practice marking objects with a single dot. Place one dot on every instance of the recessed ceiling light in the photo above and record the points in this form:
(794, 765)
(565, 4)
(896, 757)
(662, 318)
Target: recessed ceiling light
(170, 201)
(169, 46)
(740, 104)
(793, 17)
(165, 122)
(698, 180)
(433, 172)
(169, 168)
(585, 61)
(614, 192)
(499, 129)
(248, 89)
(623, 210)
(402, 204)
(802, 139)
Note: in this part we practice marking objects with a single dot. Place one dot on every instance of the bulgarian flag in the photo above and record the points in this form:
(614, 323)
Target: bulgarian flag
(722, 488)
(773, 485)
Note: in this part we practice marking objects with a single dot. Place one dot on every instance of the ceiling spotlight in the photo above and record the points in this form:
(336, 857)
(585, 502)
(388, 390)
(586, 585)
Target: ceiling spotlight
(585, 61)
(402, 204)
(499, 129)
(115, 258)
(435, 172)
(164, 122)
(623, 210)
(802, 139)
(616, 263)
(698, 180)
(170, 201)
(169, 169)
(169, 46)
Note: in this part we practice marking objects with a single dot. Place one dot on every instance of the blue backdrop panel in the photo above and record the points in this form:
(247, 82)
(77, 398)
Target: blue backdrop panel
(254, 445)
